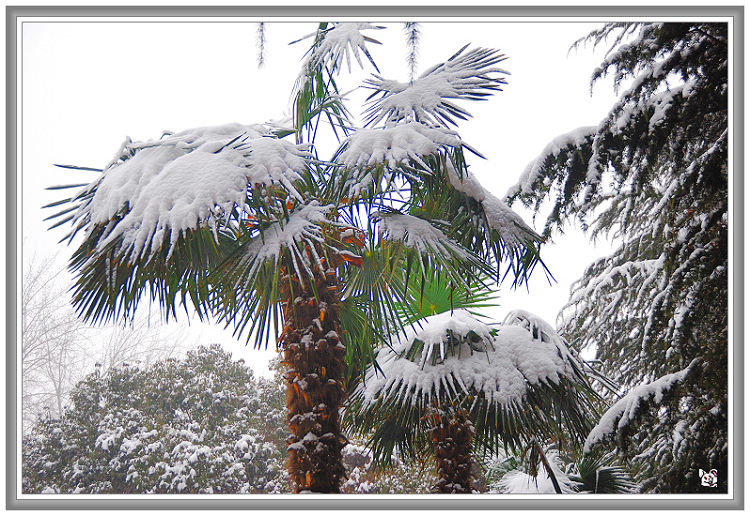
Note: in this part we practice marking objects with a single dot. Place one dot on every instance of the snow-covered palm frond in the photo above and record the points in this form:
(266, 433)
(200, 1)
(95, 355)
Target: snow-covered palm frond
(513, 384)
(480, 221)
(515, 232)
(156, 214)
(299, 235)
(587, 474)
(429, 247)
(316, 91)
(339, 41)
(464, 76)
(545, 481)
(161, 189)
(538, 327)
(419, 234)
(246, 290)
(375, 158)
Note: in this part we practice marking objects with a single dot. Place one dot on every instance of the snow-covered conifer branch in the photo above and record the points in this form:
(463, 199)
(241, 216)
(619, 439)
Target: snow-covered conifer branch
(623, 413)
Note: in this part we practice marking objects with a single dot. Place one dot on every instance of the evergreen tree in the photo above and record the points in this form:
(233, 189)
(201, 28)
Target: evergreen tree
(203, 424)
(653, 176)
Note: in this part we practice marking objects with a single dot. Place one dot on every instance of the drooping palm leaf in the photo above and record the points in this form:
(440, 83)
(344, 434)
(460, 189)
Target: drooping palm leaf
(513, 384)
(164, 213)
(479, 220)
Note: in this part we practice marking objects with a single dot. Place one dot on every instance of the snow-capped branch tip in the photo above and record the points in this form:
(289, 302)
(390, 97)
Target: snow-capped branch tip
(620, 415)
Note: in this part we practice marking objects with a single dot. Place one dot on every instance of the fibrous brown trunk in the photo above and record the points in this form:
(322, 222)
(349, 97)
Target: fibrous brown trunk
(314, 373)
(452, 435)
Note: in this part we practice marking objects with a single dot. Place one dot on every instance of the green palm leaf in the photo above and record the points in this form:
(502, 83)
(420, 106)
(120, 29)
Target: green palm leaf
(514, 385)
(468, 75)
(167, 212)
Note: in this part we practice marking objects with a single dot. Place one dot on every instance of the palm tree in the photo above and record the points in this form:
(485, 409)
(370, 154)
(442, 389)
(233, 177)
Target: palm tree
(558, 474)
(454, 378)
(261, 234)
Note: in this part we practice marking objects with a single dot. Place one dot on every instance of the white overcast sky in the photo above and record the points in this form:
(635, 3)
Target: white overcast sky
(86, 86)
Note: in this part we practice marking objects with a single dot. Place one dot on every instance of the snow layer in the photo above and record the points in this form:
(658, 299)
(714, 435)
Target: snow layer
(508, 360)
(303, 226)
(625, 410)
(499, 216)
(392, 147)
(424, 100)
(186, 180)
(534, 169)
(418, 234)
(341, 40)
(519, 482)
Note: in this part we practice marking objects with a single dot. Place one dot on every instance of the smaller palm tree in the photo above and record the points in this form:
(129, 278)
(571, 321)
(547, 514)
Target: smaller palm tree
(454, 383)
(545, 469)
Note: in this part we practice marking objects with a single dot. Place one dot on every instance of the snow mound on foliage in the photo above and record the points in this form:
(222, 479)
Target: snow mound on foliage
(404, 146)
(418, 234)
(303, 226)
(626, 409)
(463, 76)
(342, 40)
(519, 482)
(499, 215)
(186, 180)
(533, 171)
(499, 361)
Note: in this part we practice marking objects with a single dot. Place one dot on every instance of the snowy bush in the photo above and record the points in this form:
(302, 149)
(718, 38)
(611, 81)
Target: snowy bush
(204, 424)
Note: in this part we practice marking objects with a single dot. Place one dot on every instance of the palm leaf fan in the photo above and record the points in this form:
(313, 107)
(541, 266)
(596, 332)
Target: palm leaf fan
(514, 384)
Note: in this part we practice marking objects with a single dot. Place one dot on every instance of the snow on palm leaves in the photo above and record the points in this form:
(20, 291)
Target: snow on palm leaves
(162, 207)
(180, 182)
(245, 225)
(463, 76)
(516, 380)
(417, 164)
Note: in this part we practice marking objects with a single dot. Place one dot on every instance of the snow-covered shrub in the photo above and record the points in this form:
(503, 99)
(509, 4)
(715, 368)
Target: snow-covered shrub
(415, 476)
(204, 424)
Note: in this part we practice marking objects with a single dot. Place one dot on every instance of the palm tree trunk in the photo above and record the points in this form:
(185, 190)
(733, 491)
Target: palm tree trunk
(452, 436)
(314, 373)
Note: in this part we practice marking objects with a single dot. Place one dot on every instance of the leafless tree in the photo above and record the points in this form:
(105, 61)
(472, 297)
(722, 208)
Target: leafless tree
(58, 350)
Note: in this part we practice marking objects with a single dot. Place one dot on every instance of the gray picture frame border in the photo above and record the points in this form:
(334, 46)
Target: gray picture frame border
(372, 502)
